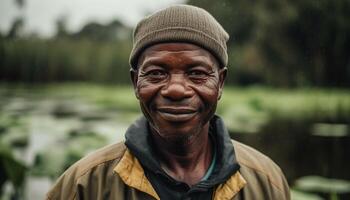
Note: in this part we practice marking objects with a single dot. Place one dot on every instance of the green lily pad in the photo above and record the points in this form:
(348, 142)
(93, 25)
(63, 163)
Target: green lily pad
(11, 169)
(53, 162)
(322, 185)
(17, 137)
(330, 130)
(298, 195)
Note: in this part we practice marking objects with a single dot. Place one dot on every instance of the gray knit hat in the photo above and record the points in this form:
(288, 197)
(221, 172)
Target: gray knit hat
(180, 23)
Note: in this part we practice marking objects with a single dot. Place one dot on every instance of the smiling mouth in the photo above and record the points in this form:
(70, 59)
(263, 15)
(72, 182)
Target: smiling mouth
(179, 114)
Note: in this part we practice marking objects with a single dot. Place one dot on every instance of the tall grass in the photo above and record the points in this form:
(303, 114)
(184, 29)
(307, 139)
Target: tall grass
(37, 60)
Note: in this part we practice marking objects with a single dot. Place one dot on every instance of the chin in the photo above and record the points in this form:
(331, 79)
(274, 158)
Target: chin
(178, 133)
(178, 138)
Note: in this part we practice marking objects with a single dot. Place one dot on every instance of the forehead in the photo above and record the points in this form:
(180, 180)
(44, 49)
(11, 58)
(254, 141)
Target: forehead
(163, 50)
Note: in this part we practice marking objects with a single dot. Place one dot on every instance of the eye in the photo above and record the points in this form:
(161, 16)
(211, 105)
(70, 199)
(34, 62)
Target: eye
(197, 74)
(156, 74)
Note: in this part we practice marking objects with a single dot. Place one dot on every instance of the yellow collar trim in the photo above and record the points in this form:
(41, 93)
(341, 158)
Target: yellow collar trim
(230, 188)
(131, 172)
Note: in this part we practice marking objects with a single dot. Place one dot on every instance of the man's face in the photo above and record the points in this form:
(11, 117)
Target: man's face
(178, 86)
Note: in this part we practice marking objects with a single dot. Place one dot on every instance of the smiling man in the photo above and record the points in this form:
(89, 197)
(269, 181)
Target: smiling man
(179, 149)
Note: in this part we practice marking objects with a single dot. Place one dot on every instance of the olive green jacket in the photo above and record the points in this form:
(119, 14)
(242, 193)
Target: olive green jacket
(114, 173)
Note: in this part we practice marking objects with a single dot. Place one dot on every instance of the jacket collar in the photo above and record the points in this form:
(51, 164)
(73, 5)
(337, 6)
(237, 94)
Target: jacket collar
(132, 174)
(139, 151)
(226, 163)
(139, 142)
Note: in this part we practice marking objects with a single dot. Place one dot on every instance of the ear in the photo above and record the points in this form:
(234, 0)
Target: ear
(222, 78)
(134, 77)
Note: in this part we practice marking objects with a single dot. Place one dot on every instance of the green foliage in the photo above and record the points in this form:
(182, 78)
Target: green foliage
(249, 109)
(121, 98)
(322, 184)
(53, 162)
(319, 184)
(287, 102)
(12, 135)
(71, 112)
(330, 130)
(286, 42)
(298, 195)
(245, 110)
(36, 60)
(10, 168)
(97, 53)
(6, 122)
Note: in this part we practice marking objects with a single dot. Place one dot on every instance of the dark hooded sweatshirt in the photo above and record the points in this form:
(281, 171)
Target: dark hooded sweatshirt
(139, 141)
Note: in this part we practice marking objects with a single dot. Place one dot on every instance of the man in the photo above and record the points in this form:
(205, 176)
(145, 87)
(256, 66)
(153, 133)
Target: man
(180, 149)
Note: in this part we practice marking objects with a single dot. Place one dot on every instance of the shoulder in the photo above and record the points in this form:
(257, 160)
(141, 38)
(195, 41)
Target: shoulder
(93, 164)
(100, 156)
(257, 166)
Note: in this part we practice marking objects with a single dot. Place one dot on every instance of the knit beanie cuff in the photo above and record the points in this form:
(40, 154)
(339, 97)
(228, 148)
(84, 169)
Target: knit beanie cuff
(179, 34)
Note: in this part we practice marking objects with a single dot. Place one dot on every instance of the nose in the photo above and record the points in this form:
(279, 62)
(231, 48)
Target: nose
(176, 89)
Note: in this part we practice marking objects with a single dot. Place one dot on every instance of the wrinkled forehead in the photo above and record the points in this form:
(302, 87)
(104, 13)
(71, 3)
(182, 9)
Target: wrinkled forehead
(177, 48)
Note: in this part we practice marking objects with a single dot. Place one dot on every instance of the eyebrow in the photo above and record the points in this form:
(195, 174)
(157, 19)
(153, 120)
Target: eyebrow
(153, 61)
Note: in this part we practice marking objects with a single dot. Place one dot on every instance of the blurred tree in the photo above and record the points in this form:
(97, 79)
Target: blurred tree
(61, 27)
(285, 42)
(275, 42)
(98, 32)
(20, 3)
(16, 29)
(321, 32)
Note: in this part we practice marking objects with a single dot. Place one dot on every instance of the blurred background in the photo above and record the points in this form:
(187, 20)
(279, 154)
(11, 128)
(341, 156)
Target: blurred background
(65, 89)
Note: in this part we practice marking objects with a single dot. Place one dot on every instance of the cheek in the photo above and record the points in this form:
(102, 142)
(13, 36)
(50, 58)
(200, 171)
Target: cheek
(146, 94)
(146, 91)
(208, 92)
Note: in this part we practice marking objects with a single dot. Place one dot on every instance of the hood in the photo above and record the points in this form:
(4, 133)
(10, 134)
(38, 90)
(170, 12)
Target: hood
(139, 142)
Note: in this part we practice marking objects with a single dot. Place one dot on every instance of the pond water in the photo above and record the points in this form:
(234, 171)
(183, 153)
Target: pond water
(40, 128)
(49, 133)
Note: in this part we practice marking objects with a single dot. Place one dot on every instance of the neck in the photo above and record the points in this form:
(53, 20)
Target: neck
(187, 159)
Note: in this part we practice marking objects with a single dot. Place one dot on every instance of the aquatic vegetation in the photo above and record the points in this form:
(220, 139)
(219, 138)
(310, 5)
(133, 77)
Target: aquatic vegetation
(47, 128)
